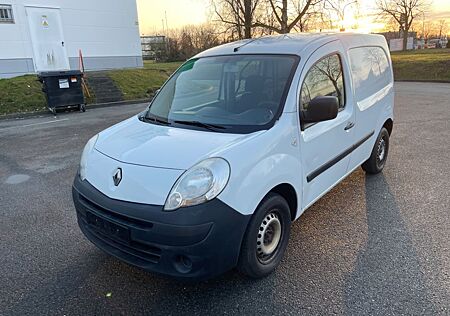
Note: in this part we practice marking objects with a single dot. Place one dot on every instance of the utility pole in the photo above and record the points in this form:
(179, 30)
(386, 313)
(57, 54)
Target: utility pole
(167, 35)
(423, 26)
(342, 15)
(167, 23)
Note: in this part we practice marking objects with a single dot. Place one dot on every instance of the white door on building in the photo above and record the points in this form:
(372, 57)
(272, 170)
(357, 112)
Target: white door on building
(47, 38)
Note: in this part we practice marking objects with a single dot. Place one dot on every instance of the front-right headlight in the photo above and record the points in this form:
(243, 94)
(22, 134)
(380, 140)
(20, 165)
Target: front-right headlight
(84, 156)
(201, 183)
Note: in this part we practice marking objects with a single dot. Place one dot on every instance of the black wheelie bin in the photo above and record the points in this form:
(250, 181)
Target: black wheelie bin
(63, 89)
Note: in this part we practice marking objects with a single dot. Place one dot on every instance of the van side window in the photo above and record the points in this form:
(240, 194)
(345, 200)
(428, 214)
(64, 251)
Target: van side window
(323, 79)
(371, 71)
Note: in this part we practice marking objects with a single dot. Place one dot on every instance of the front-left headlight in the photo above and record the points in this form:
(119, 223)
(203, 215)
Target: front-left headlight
(201, 183)
(84, 156)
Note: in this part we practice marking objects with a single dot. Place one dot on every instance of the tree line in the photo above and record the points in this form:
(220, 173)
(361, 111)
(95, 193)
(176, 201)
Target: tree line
(249, 18)
(244, 19)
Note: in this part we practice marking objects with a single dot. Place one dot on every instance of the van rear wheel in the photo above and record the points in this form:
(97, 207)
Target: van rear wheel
(378, 157)
(266, 238)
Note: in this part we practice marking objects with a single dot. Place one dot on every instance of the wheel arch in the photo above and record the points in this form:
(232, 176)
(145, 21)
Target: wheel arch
(287, 191)
(389, 125)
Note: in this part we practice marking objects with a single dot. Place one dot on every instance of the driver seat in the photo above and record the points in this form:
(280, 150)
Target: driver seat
(253, 93)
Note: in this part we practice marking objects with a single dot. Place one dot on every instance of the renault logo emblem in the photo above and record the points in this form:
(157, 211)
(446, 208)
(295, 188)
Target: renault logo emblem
(117, 177)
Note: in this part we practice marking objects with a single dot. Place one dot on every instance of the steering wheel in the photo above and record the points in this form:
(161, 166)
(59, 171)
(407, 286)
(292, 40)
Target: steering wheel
(270, 106)
(263, 113)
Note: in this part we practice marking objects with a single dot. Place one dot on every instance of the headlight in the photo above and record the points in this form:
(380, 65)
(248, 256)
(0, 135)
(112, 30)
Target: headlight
(84, 156)
(201, 183)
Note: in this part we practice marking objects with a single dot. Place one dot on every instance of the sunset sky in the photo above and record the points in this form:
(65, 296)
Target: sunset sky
(179, 13)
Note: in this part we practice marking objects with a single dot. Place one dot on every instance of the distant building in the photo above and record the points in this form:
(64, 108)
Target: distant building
(395, 40)
(437, 42)
(154, 47)
(46, 35)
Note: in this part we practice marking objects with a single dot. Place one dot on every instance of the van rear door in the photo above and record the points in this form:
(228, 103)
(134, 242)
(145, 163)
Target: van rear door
(373, 92)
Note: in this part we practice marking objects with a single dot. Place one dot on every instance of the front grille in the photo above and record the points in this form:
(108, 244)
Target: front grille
(130, 250)
(125, 220)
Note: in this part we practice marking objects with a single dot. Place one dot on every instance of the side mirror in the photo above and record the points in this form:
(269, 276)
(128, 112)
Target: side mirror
(321, 109)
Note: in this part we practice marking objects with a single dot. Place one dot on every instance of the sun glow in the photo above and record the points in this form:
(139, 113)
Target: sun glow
(156, 15)
(354, 21)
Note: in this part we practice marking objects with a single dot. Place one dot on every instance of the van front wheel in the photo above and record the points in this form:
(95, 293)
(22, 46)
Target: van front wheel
(266, 237)
(378, 157)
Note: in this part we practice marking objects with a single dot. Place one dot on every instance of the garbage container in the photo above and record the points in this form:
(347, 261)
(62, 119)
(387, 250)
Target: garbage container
(63, 89)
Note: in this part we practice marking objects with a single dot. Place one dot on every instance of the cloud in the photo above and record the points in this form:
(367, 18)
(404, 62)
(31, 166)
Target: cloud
(439, 15)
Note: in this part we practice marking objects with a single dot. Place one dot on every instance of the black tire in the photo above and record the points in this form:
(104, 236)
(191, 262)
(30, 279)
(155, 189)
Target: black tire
(252, 261)
(378, 157)
(82, 108)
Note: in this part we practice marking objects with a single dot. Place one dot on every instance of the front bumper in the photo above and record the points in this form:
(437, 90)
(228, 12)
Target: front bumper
(196, 242)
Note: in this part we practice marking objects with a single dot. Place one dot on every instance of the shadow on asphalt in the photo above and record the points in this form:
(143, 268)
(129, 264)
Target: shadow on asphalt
(334, 264)
(387, 278)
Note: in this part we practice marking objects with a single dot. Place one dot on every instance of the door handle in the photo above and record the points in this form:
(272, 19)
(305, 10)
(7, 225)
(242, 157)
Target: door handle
(349, 126)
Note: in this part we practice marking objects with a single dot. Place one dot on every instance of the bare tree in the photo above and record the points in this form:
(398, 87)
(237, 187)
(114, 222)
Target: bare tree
(338, 7)
(325, 21)
(428, 29)
(391, 25)
(403, 12)
(279, 9)
(190, 40)
(311, 19)
(238, 15)
(269, 20)
(431, 29)
(442, 25)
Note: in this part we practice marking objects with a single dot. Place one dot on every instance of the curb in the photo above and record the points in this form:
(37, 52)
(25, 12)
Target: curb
(108, 104)
(89, 106)
(118, 103)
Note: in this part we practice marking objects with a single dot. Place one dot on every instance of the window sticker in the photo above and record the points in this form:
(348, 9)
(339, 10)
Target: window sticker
(44, 21)
(64, 83)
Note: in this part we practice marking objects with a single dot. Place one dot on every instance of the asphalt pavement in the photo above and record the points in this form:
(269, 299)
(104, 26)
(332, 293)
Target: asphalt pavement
(376, 245)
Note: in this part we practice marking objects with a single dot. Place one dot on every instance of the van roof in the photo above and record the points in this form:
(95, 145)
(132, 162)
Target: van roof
(293, 44)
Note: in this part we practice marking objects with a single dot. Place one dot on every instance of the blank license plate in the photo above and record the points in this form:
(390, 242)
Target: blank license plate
(108, 228)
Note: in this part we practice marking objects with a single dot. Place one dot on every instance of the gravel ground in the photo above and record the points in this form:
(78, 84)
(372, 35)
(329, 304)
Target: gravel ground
(374, 245)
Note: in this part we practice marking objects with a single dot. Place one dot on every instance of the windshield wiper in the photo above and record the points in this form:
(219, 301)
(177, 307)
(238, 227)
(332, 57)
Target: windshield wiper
(208, 126)
(154, 119)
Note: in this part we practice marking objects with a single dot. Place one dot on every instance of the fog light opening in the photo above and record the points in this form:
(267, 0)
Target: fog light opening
(183, 264)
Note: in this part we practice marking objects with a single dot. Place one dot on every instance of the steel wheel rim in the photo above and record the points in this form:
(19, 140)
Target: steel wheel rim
(269, 237)
(381, 152)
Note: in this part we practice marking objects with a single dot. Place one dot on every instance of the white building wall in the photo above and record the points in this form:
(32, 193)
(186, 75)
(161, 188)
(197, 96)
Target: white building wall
(106, 31)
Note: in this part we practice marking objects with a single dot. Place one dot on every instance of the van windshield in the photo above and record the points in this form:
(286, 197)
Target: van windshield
(232, 94)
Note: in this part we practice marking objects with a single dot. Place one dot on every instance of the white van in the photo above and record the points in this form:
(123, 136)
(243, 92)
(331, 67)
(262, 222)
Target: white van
(236, 145)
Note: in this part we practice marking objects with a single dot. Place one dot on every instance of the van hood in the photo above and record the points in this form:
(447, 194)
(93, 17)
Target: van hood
(140, 143)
